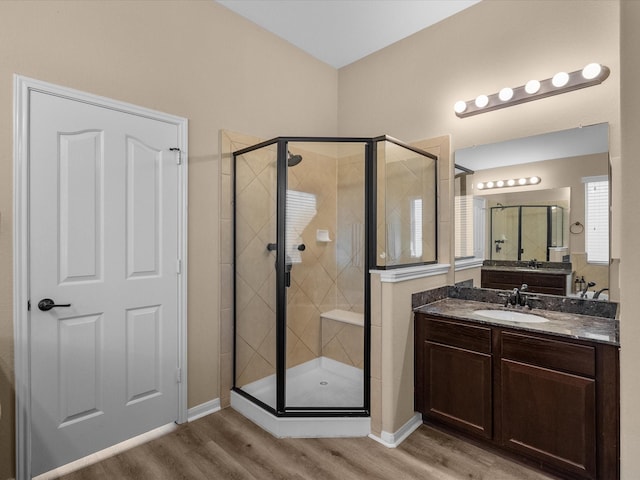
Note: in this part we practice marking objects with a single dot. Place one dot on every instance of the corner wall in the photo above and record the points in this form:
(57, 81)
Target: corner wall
(189, 58)
(630, 266)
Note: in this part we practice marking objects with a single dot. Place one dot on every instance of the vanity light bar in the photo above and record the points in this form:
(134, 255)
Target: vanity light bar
(561, 82)
(512, 182)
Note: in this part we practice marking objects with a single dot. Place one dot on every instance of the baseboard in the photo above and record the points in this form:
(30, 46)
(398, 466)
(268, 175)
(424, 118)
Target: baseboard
(204, 409)
(393, 440)
(107, 453)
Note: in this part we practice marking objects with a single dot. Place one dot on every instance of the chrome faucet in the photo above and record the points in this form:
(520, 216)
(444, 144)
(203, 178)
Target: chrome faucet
(597, 294)
(517, 297)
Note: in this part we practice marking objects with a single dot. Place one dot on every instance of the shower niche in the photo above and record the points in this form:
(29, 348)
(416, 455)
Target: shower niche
(312, 216)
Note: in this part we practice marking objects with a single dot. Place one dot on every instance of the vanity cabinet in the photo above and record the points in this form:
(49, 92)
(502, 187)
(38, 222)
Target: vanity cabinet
(456, 385)
(538, 282)
(548, 401)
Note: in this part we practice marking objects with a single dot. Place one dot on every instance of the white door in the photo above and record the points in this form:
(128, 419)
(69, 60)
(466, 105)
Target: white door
(103, 200)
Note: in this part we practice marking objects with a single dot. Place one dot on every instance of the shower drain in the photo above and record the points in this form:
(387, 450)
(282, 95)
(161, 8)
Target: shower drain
(324, 383)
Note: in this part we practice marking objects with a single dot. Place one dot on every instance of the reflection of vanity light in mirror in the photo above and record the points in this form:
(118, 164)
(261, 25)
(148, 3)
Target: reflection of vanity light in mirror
(561, 82)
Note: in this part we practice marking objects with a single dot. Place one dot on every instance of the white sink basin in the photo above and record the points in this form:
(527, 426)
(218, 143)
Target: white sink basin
(511, 316)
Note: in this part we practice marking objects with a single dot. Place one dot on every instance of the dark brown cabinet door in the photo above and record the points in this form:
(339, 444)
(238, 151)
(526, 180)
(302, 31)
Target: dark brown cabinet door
(457, 389)
(552, 284)
(549, 415)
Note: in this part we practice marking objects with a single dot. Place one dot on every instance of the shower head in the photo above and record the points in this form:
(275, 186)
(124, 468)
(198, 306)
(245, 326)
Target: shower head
(293, 160)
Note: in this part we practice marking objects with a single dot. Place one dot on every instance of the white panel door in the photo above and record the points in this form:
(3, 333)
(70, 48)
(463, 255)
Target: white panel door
(103, 199)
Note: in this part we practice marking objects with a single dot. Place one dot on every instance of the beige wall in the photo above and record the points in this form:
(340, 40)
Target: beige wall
(408, 89)
(189, 58)
(630, 264)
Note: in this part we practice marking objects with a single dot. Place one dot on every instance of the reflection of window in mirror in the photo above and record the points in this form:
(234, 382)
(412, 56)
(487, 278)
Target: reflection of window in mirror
(597, 219)
(416, 227)
(464, 226)
(301, 208)
(469, 226)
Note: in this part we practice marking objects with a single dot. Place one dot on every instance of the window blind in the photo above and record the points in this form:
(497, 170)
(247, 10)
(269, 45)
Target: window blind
(301, 208)
(597, 219)
(416, 228)
(464, 238)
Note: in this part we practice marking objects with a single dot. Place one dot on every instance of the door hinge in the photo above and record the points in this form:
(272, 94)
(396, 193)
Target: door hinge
(179, 375)
(28, 305)
(178, 154)
(179, 266)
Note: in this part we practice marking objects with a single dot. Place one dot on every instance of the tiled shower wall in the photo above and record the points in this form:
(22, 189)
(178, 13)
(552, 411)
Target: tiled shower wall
(351, 234)
(329, 277)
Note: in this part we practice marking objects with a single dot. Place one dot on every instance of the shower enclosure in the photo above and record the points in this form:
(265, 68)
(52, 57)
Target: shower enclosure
(305, 233)
(526, 232)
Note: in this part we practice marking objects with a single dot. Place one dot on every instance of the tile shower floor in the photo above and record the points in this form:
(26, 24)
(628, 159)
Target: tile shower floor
(321, 382)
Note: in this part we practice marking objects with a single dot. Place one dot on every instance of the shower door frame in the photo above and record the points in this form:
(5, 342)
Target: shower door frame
(370, 194)
(520, 207)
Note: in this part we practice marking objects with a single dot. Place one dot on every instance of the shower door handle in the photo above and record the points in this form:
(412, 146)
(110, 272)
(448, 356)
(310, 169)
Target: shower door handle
(287, 273)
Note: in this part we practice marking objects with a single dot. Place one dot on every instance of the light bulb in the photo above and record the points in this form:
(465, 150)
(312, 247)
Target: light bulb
(482, 101)
(489, 184)
(532, 86)
(480, 186)
(506, 94)
(500, 183)
(534, 180)
(511, 182)
(522, 181)
(460, 106)
(591, 71)
(560, 79)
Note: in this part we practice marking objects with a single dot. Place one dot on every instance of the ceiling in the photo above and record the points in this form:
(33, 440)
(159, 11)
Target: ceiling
(339, 32)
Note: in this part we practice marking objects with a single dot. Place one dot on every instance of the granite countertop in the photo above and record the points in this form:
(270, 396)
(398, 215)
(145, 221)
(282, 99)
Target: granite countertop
(562, 324)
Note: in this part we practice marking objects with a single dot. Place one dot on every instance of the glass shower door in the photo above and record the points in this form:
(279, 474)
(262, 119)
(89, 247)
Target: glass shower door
(505, 233)
(325, 276)
(534, 232)
(255, 198)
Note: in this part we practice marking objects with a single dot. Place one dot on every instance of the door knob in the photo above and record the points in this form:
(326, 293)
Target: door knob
(47, 304)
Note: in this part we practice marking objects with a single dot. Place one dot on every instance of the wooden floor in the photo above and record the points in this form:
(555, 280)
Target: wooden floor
(226, 445)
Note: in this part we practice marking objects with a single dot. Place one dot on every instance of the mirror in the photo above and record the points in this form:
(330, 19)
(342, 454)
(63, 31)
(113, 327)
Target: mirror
(544, 214)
